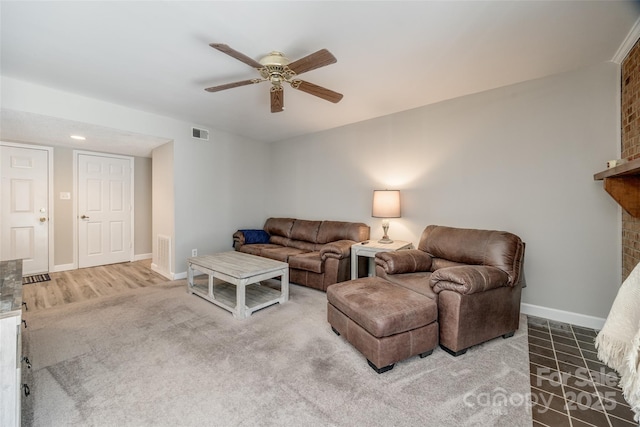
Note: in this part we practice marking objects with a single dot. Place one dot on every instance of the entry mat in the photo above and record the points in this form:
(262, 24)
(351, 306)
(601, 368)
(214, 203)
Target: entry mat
(36, 278)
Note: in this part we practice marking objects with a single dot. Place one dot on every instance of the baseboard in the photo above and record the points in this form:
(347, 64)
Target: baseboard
(166, 274)
(563, 316)
(140, 257)
(179, 276)
(67, 267)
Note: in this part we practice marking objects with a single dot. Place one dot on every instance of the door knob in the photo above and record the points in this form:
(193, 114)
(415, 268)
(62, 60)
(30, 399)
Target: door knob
(43, 219)
(84, 217)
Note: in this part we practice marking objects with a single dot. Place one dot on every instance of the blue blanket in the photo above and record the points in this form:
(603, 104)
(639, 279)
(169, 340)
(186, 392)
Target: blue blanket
(255, 236)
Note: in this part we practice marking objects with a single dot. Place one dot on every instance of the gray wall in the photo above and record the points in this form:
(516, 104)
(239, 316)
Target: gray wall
(163, 204)
(519, 158)
(221, 185)
(62, 209)
(142, 206)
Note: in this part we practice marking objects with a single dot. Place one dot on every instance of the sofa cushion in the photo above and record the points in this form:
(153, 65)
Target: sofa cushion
(280, 253)
(279, 226)
(380, 307)
(256, 249)
(279, 240)
(305, 230)
(498, 249)
(309, 262)
(417, 282)
(301, 244)
(330, 231)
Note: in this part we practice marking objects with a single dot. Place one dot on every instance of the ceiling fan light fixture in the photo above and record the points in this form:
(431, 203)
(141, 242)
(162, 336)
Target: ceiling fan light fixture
(275, 58)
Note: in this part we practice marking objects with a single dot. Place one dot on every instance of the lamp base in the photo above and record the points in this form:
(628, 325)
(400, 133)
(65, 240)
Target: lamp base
(385, 229)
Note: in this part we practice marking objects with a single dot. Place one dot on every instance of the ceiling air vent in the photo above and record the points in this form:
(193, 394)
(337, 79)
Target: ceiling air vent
(200, 134)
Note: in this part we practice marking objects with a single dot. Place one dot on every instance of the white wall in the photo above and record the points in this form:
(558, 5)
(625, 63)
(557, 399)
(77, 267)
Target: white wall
(519, 158)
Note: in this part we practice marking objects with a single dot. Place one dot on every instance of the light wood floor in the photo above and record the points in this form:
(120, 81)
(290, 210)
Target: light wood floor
(87, 283)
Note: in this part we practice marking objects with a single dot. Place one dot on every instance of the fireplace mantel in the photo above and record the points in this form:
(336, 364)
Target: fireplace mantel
(622, 182)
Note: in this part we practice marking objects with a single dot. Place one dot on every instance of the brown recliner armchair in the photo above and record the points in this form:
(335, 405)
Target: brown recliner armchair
(473, 275)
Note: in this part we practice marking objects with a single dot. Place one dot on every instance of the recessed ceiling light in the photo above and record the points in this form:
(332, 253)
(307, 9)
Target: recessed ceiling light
(78, 137)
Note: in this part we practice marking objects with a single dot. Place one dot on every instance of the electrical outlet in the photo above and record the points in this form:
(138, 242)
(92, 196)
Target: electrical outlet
(194, 252)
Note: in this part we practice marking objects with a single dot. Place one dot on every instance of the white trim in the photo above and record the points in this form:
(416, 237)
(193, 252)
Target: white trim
(618, 96)
(74, 210)
(140, 257)
(50, 213)
(62, 267)
(169, 276)
(563, 316)
(628, 43)
(132, 162)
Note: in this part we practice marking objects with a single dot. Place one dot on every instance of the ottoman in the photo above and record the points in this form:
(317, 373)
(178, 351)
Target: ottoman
(385, 322)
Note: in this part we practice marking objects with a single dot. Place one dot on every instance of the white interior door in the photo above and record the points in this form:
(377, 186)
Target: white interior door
(105, 209)
(24, 220)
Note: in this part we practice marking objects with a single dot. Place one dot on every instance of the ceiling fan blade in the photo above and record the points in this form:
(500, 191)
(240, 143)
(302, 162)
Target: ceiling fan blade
(311, 62)
(232, 85)
(237, 55)
(319, 91)
(277, 99)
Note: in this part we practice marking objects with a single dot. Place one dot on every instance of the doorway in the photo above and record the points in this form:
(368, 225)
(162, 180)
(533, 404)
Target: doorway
(105, 211)
(25, 213)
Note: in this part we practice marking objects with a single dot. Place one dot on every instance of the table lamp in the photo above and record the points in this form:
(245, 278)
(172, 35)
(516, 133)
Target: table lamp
(386, 204)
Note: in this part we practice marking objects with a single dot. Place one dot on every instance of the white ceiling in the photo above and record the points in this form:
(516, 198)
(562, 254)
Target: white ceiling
(392, 56)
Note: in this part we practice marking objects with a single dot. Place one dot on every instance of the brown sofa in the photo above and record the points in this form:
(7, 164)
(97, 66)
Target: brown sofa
(473, 275)
(318, 252)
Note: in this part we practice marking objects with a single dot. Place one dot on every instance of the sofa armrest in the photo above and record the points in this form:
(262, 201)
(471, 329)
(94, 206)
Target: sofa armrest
(468, 279)
(238, 239)
(339, 249)
(249, 236)
(404, 261)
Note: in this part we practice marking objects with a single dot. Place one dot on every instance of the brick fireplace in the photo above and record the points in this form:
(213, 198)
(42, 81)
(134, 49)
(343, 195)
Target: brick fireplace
(630, 122)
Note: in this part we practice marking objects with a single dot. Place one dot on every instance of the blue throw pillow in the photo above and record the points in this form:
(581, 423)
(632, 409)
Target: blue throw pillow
(255, 236)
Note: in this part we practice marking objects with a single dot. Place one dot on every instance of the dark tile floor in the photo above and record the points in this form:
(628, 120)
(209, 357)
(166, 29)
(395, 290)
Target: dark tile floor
(569, 385)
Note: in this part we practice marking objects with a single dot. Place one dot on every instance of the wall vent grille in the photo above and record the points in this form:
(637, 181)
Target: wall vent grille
(164, 253)
(200, 134)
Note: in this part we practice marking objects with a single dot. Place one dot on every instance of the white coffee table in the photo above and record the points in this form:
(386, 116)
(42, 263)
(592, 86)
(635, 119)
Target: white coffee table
(244, 271)
(369, 249)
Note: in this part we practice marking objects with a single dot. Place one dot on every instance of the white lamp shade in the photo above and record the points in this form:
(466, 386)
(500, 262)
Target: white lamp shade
(386, 204)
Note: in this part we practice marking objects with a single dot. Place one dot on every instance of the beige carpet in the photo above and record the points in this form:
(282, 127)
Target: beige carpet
(157, 356)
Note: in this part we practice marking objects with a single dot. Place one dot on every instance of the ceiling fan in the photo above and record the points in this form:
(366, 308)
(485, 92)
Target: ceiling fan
(277, 69)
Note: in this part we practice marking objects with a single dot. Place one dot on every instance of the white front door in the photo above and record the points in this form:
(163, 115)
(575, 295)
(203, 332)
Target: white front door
(105, 209)
(24, 219)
